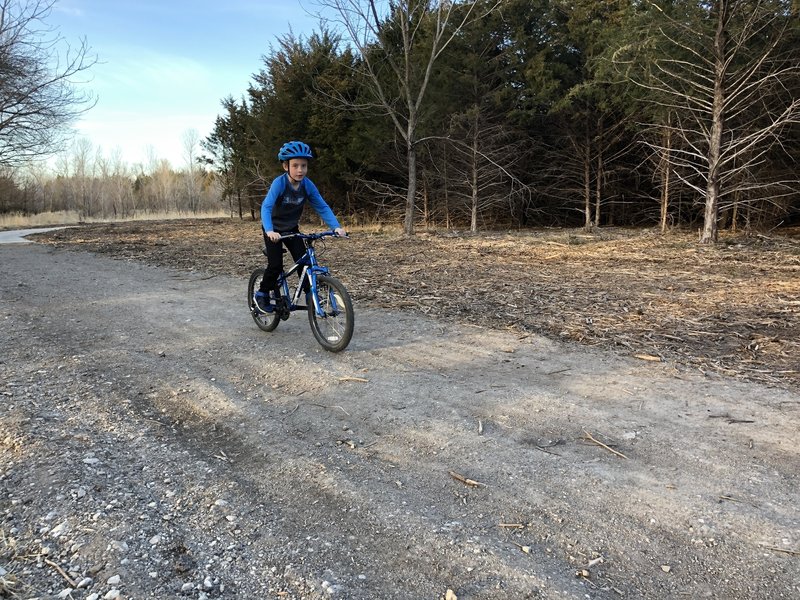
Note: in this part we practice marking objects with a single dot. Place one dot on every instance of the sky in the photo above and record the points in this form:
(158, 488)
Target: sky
(164, 66)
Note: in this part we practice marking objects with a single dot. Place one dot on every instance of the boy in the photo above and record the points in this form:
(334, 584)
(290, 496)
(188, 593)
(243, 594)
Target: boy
(280, 215)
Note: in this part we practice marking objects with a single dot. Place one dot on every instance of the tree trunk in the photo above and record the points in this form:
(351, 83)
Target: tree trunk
(665, 174)
(587, 193)
(446, 197)
(408, 227)
(425, 209)
(473, 226)
(598, 187)
(598, 184)
(710, 232)
(587, 184)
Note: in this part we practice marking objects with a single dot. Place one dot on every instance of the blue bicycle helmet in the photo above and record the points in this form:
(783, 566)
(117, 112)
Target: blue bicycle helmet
(294, 150)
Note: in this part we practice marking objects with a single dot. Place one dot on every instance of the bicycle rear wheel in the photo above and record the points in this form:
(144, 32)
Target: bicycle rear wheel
(265, 321)
(333, 329)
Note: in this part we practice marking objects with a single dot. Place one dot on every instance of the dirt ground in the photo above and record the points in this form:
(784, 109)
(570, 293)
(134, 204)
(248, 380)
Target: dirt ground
(732, 309)
(522, 415)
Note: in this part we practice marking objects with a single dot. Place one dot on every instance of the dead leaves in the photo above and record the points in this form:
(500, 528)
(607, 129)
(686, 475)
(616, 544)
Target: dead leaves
(649, 299)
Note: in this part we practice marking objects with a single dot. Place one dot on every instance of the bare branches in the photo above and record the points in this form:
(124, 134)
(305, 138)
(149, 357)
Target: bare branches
(726, 85)
(406, 38)
(39, 71)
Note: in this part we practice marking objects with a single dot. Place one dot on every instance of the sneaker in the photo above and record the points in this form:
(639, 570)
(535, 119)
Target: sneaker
(263, 303)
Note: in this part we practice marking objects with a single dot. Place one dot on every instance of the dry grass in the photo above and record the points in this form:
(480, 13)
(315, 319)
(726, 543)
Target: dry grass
(733, 308)
(18, 220)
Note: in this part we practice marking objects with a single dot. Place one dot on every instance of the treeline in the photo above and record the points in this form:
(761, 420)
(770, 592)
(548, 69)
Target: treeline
(525, 113)
(86, 183)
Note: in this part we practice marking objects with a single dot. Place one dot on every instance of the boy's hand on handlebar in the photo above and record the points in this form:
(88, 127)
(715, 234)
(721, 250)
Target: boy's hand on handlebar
(340, 232)
(274, 236)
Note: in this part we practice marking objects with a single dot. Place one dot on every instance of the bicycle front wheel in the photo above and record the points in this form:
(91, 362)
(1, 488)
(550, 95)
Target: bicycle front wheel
(333, 327)
(265, 321)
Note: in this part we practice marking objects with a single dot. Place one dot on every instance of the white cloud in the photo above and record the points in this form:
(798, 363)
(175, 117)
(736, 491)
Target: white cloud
(68, 9)
(166, 66)
(135, 134)
(139, 73)
(147, 100)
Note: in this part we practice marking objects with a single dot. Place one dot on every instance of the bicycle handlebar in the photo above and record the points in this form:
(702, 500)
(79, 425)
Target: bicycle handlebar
(313, 236)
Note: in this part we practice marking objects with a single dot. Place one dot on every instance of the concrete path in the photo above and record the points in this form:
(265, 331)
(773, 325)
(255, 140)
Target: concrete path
(17, 236)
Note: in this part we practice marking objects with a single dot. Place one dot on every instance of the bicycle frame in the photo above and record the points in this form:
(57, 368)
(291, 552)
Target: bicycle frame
(310, 270)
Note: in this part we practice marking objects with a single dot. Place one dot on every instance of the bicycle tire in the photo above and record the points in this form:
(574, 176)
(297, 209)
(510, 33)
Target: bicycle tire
(334, 330)
(265, 321)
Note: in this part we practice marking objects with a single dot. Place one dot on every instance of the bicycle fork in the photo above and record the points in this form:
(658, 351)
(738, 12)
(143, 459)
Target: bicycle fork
(312, 273)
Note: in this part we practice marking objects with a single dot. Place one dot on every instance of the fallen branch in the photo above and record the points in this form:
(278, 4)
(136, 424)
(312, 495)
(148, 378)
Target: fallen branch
(466, 480)
(588, 437)
(326, 406)
(784, 550)
(525, 549)
(61, 572)
(357, 379)
(557, 372)
(649, 357)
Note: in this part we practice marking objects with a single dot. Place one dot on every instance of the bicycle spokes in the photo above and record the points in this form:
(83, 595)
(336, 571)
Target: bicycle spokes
(332, 320)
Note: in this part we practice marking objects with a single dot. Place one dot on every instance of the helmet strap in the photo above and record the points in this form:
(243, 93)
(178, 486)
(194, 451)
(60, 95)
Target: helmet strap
(286, 168)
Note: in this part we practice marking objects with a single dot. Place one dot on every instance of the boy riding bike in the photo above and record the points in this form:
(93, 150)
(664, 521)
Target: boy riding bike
(280, 215)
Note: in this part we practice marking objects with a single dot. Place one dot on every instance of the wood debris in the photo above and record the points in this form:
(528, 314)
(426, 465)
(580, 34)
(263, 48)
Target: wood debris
(466, 480)
(730, 309)
(525, 549)
(783, 550)
(588, 437)
(61, 572)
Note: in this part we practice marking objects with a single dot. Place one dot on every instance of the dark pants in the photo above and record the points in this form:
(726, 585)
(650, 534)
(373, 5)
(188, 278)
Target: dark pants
(274, 251)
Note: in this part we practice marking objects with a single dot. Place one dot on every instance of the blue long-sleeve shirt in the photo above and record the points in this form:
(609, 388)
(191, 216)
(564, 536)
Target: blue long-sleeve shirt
(283, 205)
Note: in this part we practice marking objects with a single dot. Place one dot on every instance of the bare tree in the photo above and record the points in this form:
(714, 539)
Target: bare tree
(407, 37)
(39, 72)
(726, 91)
(83, 175)
(483, 163)
(192, 176)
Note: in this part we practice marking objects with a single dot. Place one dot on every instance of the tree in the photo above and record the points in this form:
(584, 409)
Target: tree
(483, 161)
(39, 71)
(290, 98)
(402, 39)
(724, 80)
(591, 111)
(479, 167)
(229, 148)
(193, 175)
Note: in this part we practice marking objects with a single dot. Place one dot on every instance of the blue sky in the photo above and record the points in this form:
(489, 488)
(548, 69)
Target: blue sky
(166, 65)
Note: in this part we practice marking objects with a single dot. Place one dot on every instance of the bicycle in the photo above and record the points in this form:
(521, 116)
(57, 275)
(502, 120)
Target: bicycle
(329, 307)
